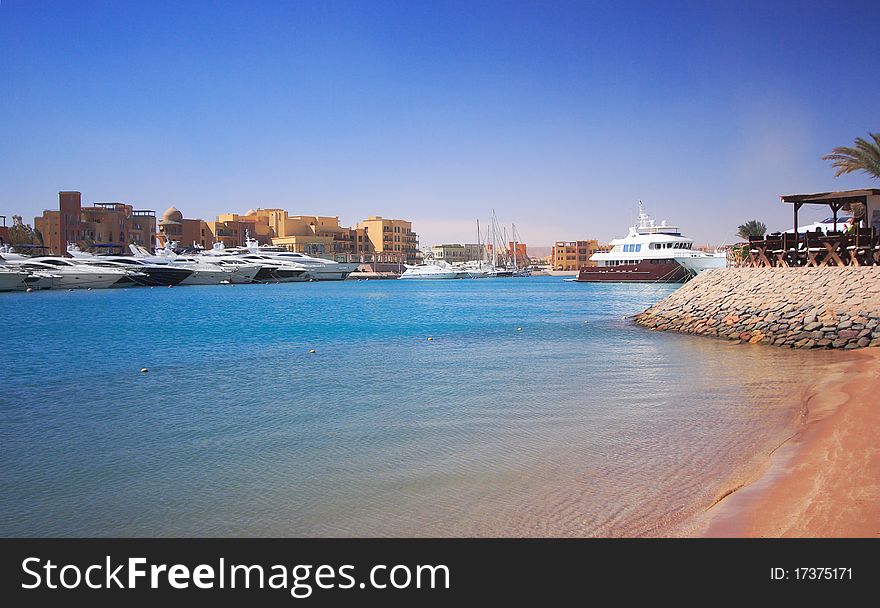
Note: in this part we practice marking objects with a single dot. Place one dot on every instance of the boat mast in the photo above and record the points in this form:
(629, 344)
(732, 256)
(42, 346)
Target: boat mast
(494, 257)
(480, 242)
(513, 236)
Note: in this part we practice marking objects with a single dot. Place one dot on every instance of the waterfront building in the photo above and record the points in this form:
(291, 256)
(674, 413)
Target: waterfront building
(393, 239)
(572, 255)
(313, 235)
(455, 252)
(112, 226)
(187, 232)
(321, 236)
(519, 252)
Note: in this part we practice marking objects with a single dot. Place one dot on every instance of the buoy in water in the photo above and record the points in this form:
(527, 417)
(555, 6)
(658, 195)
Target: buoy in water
(170, 286)
(29, 289)
(144, 370)
(519, 329)
(430, 339)
(312, 351)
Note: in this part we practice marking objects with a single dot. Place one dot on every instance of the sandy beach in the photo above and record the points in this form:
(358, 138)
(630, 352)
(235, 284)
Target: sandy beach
(825, 480)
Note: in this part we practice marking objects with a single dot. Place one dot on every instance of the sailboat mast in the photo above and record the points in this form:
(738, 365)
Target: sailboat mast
(513, 235)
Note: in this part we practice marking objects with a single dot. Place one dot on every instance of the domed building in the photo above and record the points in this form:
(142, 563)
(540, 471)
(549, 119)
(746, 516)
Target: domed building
(172, 215)
(171, 225)
(187, 233)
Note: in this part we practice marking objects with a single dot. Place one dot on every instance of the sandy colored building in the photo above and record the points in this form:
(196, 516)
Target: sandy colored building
(314, 235)
(572, 255)
(455, 252)
(451, 253)
(393, 239)
(111, 226)
(186, 232)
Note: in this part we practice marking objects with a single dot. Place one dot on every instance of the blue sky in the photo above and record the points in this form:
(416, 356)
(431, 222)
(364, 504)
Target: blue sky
(559, 115)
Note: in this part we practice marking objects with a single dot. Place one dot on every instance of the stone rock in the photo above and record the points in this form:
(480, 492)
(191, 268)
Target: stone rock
(803, 307)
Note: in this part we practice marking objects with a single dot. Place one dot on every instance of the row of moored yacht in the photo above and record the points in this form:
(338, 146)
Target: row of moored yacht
(440, 269)
(82, 270)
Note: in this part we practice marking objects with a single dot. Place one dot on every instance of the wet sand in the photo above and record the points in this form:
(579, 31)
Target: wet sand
(825, 480)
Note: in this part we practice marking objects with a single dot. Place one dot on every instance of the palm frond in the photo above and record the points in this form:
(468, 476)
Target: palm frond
(864, 156)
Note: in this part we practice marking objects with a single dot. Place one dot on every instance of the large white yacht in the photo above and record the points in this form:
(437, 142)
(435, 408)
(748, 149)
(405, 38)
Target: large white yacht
(12, 278)
(650, 253)
(276, 269)
(73, 275)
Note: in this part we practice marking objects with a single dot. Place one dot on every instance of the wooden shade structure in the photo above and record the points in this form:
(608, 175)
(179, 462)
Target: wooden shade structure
(835, 200)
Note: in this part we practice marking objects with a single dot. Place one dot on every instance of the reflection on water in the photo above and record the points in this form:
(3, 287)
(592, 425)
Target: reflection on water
(579, 424)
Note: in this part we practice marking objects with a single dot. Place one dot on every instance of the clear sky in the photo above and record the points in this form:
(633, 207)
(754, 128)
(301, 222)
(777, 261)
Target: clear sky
(559, 115)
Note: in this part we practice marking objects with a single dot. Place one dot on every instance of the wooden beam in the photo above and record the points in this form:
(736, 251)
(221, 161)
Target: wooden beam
(835, 207)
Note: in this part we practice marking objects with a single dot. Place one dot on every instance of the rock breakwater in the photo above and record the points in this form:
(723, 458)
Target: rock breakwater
(829, 307)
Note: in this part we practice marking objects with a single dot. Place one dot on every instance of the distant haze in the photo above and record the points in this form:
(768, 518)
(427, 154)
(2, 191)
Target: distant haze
(560, 116)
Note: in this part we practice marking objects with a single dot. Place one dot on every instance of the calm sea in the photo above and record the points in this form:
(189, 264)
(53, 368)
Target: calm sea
(579, 423)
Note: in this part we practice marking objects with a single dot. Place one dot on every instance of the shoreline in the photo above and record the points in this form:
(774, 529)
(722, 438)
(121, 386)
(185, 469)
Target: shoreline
(824, 481)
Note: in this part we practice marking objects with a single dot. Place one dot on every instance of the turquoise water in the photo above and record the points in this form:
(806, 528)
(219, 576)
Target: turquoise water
(578, 424)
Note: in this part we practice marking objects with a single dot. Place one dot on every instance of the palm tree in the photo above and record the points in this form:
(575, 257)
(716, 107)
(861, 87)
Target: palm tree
(751, 228)
(865, 156)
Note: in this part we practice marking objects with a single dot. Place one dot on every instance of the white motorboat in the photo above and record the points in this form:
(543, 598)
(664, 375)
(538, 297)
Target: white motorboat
(42, 280)
(478, 269)
(205, 273)
(12, 279)
(75, 275)
(276, 269)
(700, 261)
(428, 271)
(240, 271)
